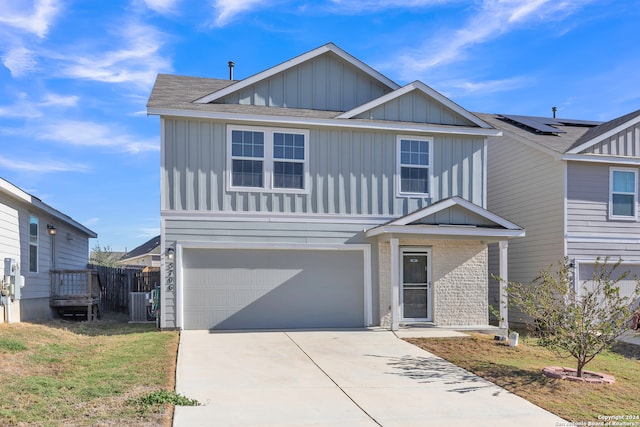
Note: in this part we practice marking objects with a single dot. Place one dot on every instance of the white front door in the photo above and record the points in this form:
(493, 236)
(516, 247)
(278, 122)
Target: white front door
(415, 297)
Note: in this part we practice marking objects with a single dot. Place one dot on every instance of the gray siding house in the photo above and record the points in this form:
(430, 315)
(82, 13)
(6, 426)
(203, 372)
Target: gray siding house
(27, 227)
(573, 184)
(319, 193)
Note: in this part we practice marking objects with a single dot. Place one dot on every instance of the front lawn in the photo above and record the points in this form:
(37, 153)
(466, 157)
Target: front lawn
(68, 372)
(519, 370)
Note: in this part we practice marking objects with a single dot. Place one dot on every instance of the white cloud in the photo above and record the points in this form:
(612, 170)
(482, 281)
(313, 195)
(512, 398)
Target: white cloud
(55, 100)
(34, 17)
(42, 166)
(137, 62)
(162, 6)
(91, 134)
(484, 87)
(494, 18)
(149, 232)
(368, 6)
(19, 60)
(91, 221)
(28, 109)
(226, 10)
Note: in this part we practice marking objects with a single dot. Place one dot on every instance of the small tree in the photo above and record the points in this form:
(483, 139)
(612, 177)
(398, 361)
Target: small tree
(103, 256)
(577, 323)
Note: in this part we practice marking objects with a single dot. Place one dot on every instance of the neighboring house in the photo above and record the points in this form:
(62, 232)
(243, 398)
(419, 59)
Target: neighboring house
(319, 193)
(38, 238)
(145, 255)
(573, 184)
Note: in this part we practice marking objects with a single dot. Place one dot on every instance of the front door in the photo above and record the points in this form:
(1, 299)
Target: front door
(416, 284)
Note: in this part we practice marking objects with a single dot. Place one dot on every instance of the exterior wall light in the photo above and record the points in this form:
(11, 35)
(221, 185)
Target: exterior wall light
(170, 252)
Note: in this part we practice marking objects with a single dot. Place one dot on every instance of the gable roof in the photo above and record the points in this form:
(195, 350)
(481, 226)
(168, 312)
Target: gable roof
(144, 249)
(329, 47)
(17, 193)
(475, 222)
(604, 131)
(416, 86)
(553, 144)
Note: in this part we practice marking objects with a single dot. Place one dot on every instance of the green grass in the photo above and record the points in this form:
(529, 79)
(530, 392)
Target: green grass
(519, 370)
(84, 373)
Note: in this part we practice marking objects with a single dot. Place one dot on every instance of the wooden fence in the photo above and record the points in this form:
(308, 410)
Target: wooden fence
(117, 283)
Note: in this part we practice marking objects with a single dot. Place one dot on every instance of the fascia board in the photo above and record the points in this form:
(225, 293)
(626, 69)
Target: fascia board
(445, 204)
(604, 136)
(597, 158)
(416, 85)
(62, 217)
(12, 190)
(330, 47)
(445, 231)
(300, 121)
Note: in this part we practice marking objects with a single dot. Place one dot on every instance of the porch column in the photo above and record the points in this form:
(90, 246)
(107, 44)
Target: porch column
(395, 284)
(504, 278)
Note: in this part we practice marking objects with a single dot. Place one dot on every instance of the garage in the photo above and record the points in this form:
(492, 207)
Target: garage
(272, 289)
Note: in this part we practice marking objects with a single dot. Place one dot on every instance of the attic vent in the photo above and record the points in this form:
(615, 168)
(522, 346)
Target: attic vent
(231, 64)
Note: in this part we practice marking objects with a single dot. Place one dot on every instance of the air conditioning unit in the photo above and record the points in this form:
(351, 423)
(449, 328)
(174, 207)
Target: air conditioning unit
(139, 307)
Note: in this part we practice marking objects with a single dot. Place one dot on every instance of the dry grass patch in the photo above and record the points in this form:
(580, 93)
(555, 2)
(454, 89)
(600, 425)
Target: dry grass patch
(85, 373)
(519, 370)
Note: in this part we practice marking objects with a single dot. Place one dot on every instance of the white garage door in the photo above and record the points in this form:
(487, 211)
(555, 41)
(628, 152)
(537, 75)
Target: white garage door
(272, 289)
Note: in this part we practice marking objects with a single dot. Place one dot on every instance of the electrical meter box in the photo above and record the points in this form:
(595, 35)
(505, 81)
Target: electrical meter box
(12, 277)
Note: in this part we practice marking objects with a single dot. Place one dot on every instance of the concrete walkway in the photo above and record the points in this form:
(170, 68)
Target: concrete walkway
(335, 378)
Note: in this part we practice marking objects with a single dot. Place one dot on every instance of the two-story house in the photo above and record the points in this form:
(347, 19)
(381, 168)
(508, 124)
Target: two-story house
(35, 238)
(319, 193)
(573, 184)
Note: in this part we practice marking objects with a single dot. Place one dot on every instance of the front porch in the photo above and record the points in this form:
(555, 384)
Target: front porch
(433, 266)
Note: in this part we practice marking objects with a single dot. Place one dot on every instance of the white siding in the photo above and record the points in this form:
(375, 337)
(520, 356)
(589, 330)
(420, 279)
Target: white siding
(624, 143)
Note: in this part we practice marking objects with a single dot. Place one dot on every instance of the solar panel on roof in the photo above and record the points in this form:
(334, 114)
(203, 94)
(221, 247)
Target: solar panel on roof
(574, 122)
(539, 124)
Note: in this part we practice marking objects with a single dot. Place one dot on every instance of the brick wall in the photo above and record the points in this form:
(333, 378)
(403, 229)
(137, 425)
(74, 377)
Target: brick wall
(459, 281)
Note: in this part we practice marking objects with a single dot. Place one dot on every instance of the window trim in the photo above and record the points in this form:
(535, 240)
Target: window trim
(36, 244)
(268, 160)
(429, 167)
(635, 194)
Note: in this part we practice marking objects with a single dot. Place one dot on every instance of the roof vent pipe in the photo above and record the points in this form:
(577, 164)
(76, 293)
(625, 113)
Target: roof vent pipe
(554, 109)
(231, 64)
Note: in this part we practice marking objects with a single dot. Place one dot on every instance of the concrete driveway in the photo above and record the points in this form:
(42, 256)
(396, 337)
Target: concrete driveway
(335, 378)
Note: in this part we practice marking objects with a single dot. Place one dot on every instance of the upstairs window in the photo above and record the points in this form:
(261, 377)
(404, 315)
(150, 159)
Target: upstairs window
(247, 152)
(414, 165)
(623, 199)
(266, 159)
(288, 168)
(33, 244)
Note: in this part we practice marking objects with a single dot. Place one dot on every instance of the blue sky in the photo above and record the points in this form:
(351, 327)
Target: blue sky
(75, 76)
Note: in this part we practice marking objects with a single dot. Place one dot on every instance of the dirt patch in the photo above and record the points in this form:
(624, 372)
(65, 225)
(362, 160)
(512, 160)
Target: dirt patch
(571, 374)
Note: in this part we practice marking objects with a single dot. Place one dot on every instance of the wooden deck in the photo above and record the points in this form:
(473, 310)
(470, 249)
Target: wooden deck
(76, 292)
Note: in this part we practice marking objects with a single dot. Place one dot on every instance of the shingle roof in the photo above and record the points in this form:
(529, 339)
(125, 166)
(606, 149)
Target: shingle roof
(143, 249)
(595, 132)
(559, 143)
(178, 93)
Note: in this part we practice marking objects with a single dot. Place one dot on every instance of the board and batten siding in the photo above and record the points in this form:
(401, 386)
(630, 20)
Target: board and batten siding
(525, 186)
(588, 214)
(352, 172)
(327, 82)
(417, 108)
(624, 143)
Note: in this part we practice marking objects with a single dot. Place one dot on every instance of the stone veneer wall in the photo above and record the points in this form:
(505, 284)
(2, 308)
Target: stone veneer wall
(459, 275)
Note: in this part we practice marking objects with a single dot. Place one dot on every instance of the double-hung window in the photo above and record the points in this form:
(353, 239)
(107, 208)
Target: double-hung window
(33, 244)
(414, 165)
(623, 195)
(268, 159)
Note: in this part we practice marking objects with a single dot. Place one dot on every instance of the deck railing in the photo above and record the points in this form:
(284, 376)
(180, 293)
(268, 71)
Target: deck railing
(75, 284)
